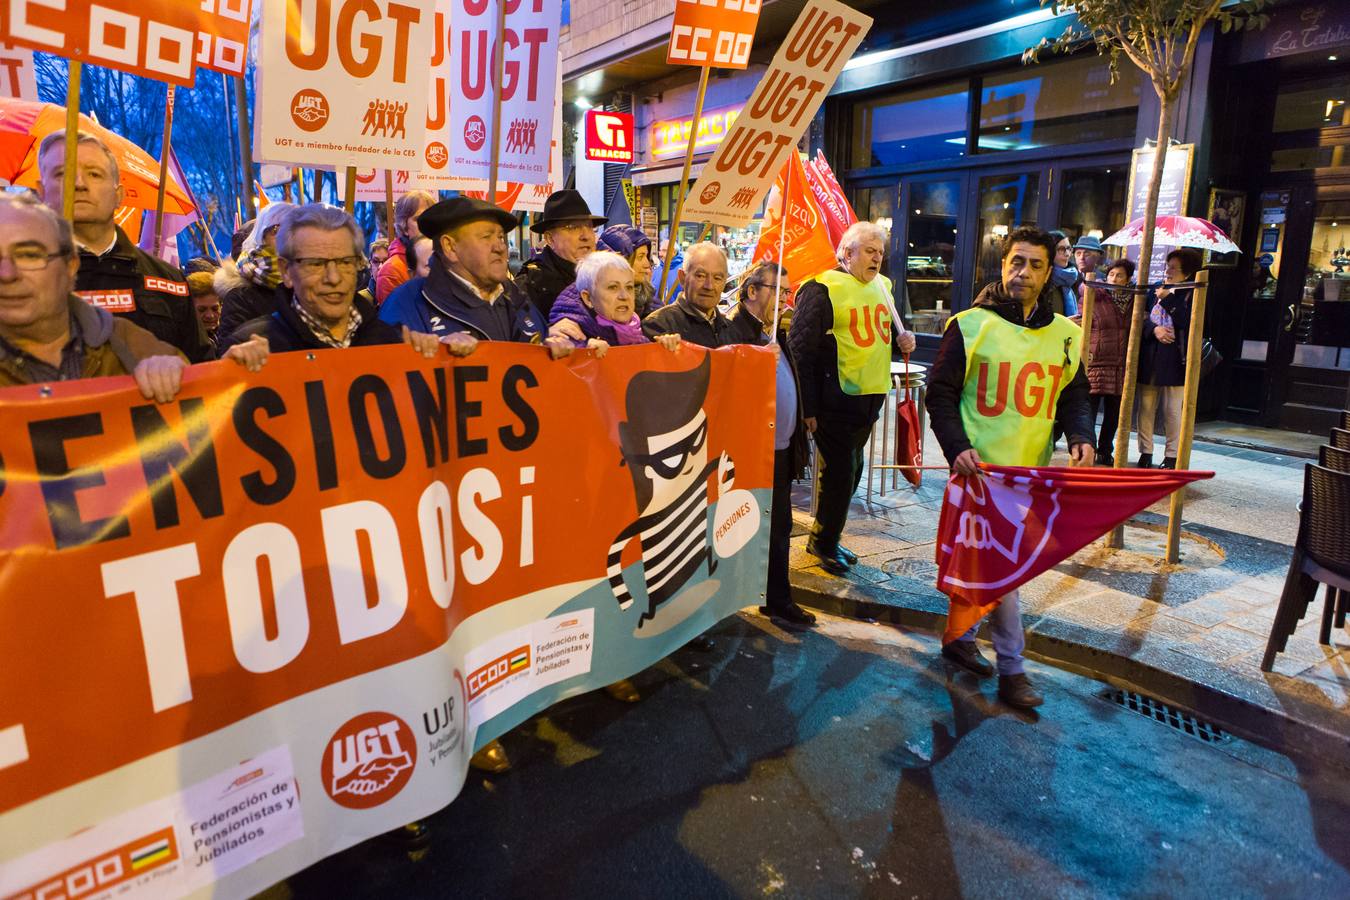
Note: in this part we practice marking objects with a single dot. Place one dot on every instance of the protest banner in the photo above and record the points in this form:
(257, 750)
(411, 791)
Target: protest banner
(18, 81)
(830, 197)
(328, 582)
(716, 33)
(529, 67)
(222, 34)
(151, 38)
(340, 82)
(794, 232)
(734, 182)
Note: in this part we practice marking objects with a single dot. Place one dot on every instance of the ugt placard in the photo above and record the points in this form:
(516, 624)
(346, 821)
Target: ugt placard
(341, 82)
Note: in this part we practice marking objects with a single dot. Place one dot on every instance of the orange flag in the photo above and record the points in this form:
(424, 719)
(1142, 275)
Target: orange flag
(806, 246)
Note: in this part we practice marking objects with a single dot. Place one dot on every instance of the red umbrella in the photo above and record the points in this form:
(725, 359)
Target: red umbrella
(23, 125)
(1176, 231)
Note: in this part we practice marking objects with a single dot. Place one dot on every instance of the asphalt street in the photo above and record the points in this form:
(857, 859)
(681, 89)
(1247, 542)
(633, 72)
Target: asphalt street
(849, 762)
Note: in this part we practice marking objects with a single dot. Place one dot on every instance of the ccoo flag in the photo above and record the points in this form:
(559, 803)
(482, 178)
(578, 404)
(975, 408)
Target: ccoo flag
(1000, 531)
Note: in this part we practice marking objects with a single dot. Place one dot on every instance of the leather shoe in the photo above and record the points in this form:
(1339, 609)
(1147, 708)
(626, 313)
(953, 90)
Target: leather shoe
(848, 555)
(966, 655)
(1017, 692)
(831, 560)
(1105, 460)
(624, 691)
(1169, 462)
(413, 837)
(1145, 461)
(791, 613)
(491, 759)
(703, 644)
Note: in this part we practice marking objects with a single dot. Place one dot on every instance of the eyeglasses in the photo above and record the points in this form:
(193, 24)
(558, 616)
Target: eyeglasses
(32, 259)
(318, 265)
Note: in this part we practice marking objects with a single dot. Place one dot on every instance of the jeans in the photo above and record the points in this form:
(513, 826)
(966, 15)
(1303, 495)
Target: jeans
(841, 445)
(1005, 626)
(778, 594)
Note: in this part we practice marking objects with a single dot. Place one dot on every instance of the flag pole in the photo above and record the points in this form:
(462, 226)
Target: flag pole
(498, 75)
(683, 187)
(1195, 342)
(163, 171)
(782, 239)
(72, 143)
(349, 196)
(389, 203)
(245, 144)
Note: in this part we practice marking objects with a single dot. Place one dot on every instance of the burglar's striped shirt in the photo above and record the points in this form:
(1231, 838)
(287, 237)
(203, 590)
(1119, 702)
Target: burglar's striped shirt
(674, 543)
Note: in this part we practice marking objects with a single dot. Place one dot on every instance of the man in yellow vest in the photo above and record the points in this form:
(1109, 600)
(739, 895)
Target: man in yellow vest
(1008, 372)
(841, 338)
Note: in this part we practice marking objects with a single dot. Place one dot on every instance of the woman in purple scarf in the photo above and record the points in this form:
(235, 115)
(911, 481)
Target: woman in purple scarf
(602, 311)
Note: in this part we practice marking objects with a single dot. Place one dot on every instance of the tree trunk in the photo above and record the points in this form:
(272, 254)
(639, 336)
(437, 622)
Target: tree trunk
(1116, 538)
(245, 147)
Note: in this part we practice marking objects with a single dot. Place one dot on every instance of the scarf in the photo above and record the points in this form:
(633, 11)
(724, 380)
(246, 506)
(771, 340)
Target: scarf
(322, 333)
(262, 268)
(629, 332)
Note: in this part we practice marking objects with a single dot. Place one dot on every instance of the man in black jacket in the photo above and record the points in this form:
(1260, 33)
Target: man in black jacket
(695, 316)
(115, 274)
(1007, 418)
(842, 333)
(569, 236)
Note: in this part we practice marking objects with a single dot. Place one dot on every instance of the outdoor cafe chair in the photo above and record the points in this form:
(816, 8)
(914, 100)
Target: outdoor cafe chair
(1333, 458)
(1340, 438)
(1345, 419)
(1321, 556)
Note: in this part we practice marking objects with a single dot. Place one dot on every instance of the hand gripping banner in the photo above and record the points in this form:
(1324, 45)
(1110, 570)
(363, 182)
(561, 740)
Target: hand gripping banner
(250, 628)
(999, 531)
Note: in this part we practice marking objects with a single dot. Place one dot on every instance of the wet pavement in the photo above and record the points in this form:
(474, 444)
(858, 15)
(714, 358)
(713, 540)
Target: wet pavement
(849, 762)
(1203, 622)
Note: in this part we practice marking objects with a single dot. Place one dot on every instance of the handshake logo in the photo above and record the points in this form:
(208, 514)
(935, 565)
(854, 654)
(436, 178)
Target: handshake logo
(369, 760)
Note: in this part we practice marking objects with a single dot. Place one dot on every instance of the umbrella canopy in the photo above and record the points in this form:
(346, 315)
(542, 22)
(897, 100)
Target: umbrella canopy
(23, 125)
(1176, 231)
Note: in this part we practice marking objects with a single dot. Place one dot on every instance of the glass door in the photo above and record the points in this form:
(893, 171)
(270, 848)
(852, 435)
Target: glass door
(1089, 200)
(1002, 201)
(926, 242)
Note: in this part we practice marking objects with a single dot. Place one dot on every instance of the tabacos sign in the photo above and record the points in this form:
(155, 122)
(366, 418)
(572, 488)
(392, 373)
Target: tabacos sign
(670, 137)
(609, 136)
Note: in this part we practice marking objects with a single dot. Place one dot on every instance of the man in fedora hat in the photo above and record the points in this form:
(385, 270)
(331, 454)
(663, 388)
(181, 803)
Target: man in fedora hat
(568, 228)
(467, 296)
(1087, 257)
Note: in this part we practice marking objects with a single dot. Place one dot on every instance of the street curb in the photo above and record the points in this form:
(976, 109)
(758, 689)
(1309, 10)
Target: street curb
(1071, 648)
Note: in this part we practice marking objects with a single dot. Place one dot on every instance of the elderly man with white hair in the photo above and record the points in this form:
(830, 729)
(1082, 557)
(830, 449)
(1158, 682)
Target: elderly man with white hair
(694, 316)
(841, 338)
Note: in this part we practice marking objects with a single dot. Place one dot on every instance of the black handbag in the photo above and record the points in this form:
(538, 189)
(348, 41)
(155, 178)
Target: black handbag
(1210, 357)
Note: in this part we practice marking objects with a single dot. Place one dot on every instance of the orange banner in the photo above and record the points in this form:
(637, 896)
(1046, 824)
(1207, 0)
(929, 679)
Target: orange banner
(713, 33)
(349, 565)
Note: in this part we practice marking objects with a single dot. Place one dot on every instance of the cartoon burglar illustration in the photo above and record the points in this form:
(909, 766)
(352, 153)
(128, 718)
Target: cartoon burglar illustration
(664, 444)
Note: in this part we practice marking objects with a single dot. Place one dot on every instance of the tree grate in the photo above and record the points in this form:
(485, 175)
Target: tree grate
(1158, 711)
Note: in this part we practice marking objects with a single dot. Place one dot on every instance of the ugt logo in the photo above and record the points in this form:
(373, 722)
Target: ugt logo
(664, 442)
(475, 133)
(309, 110)
(1002, 515)
(368, 760)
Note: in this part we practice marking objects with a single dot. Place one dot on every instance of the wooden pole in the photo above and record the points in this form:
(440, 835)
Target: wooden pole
(1195, 343)
(498, 76)
(286, 193)
(163, 171)
(782, 241)
(349, 196)
(245, 145)
(389, 203)
(72, 143)
(683, 186)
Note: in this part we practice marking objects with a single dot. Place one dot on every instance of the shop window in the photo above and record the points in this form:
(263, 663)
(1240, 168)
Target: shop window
(911, 127)
(1322, 329)
(1299, 158)
(1069, 102)
(1005, 202)
(930, 252)
(1310, 105)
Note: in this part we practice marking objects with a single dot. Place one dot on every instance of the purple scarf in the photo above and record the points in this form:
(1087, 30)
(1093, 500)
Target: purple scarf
(629, 332)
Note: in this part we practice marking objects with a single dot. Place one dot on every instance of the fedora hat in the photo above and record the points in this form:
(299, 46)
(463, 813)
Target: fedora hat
(562, 206)
(1088, 242)
(441, 217)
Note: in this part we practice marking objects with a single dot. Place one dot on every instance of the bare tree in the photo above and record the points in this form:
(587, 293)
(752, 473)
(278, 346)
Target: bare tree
(1159, 37)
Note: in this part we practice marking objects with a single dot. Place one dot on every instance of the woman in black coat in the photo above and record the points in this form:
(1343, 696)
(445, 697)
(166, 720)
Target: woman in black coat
(1162, 358)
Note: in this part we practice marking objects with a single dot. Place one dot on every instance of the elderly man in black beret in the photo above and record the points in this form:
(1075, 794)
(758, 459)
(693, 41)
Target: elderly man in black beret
(568, 228)
(468, 296)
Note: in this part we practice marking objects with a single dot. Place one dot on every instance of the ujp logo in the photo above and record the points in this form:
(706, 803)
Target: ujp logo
(369, 760)
(309, 110)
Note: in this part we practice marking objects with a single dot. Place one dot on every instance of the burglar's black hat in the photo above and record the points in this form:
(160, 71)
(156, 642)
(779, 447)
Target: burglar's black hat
(441, 217)
(560, 207)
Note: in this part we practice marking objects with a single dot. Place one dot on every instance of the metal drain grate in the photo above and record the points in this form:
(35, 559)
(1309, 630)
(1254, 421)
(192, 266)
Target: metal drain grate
(1159, 711)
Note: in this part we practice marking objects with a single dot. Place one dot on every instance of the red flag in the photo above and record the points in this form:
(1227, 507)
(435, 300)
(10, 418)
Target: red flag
(830, 197)
(998, 532)
(807, 250)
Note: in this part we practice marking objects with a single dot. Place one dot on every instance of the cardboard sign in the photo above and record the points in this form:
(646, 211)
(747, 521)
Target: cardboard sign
(222, 35)
(734, 182)
(151, 38)
(609, 136)
(328, 581)
(340, 82)
(18, 81)
(530, 72)
(713, 33)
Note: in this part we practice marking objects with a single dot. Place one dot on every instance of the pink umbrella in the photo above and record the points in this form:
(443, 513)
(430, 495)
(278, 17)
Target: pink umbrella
(1176, 231)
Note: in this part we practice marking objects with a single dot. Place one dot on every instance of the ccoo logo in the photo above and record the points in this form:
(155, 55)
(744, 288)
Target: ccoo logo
(475, 133)
(309, 110)
(368, 760)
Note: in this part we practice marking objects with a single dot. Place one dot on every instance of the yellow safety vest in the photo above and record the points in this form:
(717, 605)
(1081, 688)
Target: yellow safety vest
(1014, 376)
(861, 330)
